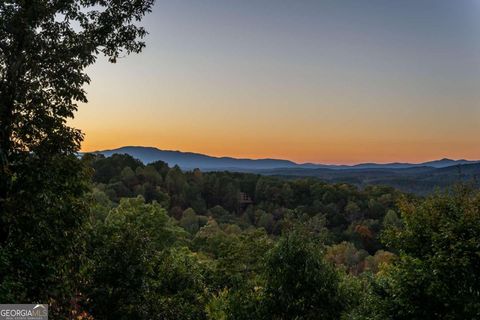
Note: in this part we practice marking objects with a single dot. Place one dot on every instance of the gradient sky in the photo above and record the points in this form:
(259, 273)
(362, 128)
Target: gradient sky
(328, 81)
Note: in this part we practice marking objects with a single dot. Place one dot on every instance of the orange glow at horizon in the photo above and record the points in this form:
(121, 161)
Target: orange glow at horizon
(324, 82)
(324, 151)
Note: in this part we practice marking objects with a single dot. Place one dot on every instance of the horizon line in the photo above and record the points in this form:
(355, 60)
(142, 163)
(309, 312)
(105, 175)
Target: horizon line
(281, 159)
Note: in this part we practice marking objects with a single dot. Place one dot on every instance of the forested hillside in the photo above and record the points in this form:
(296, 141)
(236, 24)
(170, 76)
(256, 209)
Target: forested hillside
(247, 200)
(221, 245)
(418, 180)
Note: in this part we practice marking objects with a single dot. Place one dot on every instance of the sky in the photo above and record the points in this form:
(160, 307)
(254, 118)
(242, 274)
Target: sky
(325, 81)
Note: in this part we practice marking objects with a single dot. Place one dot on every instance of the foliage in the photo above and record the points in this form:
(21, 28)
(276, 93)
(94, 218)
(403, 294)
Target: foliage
(45, 47)
(39, 253)
(436, 275)
(316, 255)
(337, 212)
(299, 283)
(127, 252)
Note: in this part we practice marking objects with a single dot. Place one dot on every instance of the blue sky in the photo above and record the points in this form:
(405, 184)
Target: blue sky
(338, 81)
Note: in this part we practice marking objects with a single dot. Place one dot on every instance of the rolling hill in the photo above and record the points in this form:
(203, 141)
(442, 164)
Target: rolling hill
(190, 160)
(419, 178)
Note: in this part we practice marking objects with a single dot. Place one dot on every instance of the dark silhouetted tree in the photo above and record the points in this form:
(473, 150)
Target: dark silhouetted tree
(45, 48)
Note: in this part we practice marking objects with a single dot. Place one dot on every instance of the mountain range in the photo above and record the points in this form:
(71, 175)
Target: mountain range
(419, 178)
(190, 160)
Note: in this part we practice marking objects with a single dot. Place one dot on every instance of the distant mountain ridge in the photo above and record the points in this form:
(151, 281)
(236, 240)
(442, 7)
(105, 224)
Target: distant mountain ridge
(190, 160)
(420, 180)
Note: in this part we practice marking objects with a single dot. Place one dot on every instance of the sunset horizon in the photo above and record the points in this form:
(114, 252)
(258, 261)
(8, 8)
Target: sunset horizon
(255, 156)
(328, 82)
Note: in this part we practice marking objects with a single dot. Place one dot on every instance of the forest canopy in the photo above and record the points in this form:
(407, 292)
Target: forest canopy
(256, 247)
